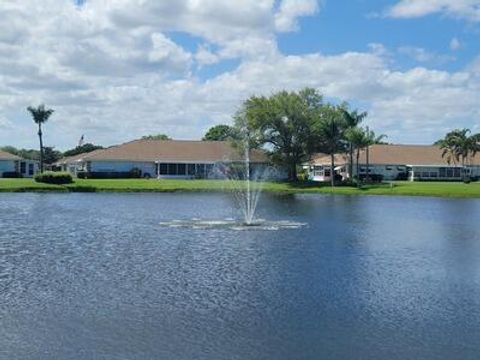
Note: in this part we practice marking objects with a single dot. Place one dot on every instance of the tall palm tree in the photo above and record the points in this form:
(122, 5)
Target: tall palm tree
(371, 139)
(40, 116)
(331, 132)
(357, 137)
(352, 120)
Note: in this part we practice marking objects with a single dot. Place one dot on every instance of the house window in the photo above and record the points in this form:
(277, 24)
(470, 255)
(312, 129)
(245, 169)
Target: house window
(172, 169)
(449, 173)
(401, 168)
(425, 174)
(163, 169)
(30, 169)
(442, 172)
(433, 174)
(388, 168)
(182, 168)
(191, 169)
(208, 169)
(457, 172)
(23, 167)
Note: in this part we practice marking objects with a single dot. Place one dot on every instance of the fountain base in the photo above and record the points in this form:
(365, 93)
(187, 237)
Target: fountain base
(230, 224)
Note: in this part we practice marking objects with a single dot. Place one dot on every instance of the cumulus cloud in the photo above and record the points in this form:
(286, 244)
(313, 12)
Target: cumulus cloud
(290, 10)
(468, 9)
(113, 70)
(422, 55)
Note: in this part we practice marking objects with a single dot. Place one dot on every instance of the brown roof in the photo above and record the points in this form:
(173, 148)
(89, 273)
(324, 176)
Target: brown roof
(395, 155)
(78, 157)
(7, 156)
(173, 151)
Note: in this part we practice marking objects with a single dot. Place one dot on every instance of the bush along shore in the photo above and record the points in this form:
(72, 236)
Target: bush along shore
(436, 189)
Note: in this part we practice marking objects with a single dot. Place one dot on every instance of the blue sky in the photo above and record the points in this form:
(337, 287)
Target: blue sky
(118, 70)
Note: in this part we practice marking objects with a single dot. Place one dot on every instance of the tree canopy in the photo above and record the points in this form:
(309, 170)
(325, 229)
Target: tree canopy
(49, 153)
(285, 122)
(219, 133)
(85, 148)
(156, 137)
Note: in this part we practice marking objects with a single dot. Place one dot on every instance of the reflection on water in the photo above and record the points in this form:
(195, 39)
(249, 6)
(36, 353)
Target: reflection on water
(110, 276)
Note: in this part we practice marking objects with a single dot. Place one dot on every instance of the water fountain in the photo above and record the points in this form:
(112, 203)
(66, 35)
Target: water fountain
(245, 182)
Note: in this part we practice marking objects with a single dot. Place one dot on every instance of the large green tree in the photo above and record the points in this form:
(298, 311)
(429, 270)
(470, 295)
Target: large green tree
(284, 123)
(219, 133)
(40, 116)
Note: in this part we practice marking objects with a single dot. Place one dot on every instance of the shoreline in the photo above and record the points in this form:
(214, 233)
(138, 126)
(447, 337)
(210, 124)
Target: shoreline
(401, 188)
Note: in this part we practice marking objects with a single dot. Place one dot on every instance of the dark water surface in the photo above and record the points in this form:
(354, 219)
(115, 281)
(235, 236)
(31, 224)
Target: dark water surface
(94, 276)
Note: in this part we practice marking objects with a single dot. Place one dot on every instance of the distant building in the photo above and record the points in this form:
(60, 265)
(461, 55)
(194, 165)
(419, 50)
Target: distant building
(395, 162)
(14, 166)
(159, 158)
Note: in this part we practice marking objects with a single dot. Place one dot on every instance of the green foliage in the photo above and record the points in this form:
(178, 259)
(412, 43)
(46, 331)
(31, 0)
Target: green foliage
(50, 155)
(85, 148)
(459, 146)
(219, 133)
(51, 177)
(39, 114)
(156, 137)
(284, 122)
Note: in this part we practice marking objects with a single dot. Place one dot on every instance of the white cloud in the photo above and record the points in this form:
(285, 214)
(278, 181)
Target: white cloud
(290, 10)
(204, 56)
(113, 71)
(422, 55)
(467, 9)
(455, 44)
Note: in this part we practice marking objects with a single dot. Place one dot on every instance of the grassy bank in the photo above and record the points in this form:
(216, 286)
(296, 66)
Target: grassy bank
(439, 189)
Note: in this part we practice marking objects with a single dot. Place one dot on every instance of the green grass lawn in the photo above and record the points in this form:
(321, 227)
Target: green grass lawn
(442, 189)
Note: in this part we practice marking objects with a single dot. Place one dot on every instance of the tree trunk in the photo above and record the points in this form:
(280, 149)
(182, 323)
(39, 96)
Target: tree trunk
(358, 166)
(41, 146)
(293, 172)
(350, 168)
(332, 169)
(368, 163)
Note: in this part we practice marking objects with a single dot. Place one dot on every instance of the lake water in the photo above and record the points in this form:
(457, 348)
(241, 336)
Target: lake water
(95, 276)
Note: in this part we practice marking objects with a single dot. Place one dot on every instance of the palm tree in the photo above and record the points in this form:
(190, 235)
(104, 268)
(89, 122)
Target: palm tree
(352, 120)
(371, 139)
(458, 146)
(331, 132)
(40, 116)
(357, 138)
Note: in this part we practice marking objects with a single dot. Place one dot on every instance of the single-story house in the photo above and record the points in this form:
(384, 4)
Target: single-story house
(160, 159)
(395, 162)
(14, 166)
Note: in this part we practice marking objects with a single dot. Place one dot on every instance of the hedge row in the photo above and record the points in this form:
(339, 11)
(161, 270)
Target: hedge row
(51, 177)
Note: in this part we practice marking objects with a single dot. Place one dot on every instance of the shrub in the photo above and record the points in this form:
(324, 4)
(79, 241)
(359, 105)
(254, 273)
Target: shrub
(82, 174)
(51, 177)
(12, 175)
(135, 173)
